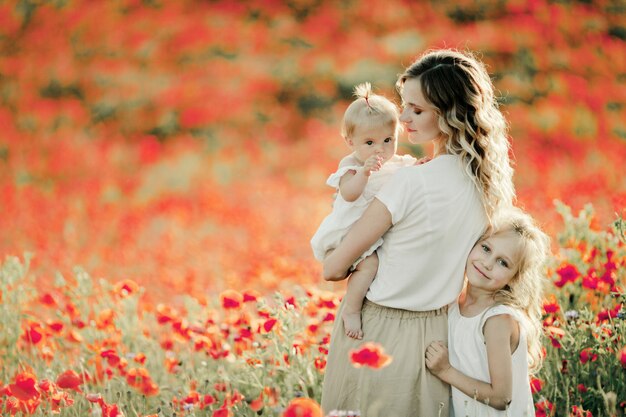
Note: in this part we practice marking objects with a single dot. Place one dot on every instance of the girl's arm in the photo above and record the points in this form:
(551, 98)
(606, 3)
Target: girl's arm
(353, 183)
(501, 332)
(364, 233)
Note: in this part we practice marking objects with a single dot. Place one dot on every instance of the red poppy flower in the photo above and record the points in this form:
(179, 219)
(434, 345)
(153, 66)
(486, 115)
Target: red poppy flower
(606, 314)
(125, 288)
(302, 407)
(55, 325)
(222, 412)
(544, 408)
(535, 385)
(45, 385)
(33, 333)
(371, 355)
(165, 313)
(291, 301)
(590, 282)
(551, 306)
(59, 399)
(555, 333)
(579, 412)
(47, 299)
(111, 356)
(149, 388)
(231, 299)
(136, 376)
(69, 380)
(320, 363)
(587, 355)
(110, 410)
(207, 400)
(251, 296)
(312, 329)
(257, 403)
(269, 324)
(24, 388)
(566, 273)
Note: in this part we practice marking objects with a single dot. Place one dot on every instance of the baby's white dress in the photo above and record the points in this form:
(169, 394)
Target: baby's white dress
(468, 354)
(336, 225)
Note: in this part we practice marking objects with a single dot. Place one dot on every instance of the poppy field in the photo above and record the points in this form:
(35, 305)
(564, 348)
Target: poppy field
(162, 169)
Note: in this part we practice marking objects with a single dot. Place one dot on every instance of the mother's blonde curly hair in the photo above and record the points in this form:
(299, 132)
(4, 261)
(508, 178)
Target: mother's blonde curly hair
(458, 86)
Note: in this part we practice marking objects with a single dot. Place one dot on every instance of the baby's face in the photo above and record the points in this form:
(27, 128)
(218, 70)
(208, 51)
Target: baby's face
(369, 141)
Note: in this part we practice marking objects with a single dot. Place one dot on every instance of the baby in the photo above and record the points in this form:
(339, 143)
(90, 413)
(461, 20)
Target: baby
(370, 128)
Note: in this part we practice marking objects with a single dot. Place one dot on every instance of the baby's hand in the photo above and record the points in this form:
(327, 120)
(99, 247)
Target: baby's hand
(437, 358)
(373, 163)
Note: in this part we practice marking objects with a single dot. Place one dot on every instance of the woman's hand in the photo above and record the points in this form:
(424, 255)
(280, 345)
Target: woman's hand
(437, 358)
(423, 160)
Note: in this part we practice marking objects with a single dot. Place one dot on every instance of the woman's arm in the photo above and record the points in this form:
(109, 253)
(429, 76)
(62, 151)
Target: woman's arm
(500, 332)
(364, 233)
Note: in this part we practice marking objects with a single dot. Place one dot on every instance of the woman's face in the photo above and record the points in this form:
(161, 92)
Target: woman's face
(418, 116)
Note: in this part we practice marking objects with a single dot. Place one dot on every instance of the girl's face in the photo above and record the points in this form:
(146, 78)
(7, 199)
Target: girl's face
(494, 261)
(379, 140)
(418, 116)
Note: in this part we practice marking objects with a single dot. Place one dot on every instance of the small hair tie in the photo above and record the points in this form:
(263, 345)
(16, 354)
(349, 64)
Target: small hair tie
(367, 101)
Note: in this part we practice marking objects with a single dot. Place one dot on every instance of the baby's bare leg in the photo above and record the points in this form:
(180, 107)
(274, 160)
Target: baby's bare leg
(358, 285)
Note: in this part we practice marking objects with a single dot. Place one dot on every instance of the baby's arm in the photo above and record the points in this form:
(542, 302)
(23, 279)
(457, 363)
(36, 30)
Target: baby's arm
(353, 183)
(500, 331)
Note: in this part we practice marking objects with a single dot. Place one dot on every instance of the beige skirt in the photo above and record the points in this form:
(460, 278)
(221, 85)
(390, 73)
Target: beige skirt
(404, 388)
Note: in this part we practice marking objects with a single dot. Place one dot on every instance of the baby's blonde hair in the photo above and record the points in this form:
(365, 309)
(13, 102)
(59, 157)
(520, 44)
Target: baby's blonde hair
(459, 87)
(369, 110)
(525, 290)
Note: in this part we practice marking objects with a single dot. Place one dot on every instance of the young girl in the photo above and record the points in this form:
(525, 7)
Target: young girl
(494, 328)
(370, 129)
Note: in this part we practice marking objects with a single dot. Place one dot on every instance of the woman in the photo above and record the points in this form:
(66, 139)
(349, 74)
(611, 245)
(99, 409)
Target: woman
(430, 216)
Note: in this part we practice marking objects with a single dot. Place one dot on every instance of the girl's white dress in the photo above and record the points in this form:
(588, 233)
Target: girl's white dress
(336, 225)
(468, 354)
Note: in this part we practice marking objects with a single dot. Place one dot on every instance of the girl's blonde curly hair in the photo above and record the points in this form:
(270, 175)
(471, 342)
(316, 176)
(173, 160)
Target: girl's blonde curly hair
(458, 86)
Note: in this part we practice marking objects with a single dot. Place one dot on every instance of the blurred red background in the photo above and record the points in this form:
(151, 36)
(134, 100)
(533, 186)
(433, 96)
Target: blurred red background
(185, 144)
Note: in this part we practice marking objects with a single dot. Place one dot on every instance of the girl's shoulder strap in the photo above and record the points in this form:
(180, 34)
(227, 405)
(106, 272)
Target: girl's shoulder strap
(497, 310)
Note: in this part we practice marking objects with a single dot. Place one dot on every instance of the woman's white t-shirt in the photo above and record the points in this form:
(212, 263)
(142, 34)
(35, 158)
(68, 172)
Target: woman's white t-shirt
(437, 216)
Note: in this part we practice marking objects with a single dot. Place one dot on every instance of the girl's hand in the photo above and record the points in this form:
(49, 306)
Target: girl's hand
(373, 163)
(437, 358)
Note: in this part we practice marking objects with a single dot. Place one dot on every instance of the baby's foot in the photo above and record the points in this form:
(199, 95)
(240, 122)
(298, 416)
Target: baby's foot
(352, 324)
